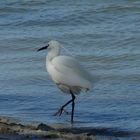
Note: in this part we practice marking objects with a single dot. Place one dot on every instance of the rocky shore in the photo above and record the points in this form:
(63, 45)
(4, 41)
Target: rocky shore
(12, 129)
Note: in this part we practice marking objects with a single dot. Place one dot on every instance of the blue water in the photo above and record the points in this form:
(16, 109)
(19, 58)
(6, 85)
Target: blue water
(103, 35)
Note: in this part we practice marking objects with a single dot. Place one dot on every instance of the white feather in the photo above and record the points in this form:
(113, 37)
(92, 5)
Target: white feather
(66, 71)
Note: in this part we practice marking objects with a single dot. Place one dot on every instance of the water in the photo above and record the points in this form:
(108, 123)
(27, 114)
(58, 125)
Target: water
(103, 35)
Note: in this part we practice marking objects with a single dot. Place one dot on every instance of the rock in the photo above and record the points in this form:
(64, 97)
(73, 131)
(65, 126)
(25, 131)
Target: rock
(8, 120)
(44, 127)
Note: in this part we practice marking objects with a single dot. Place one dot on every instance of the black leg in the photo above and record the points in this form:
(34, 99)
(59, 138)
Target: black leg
(60, 111)
(62, 108)
(73, 104)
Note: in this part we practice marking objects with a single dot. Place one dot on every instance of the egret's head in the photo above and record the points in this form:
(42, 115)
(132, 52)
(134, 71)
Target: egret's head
(51, 45)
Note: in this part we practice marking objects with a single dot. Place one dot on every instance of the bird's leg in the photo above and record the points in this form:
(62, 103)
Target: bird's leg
(62, 108)
(73, 104)
(60, 111)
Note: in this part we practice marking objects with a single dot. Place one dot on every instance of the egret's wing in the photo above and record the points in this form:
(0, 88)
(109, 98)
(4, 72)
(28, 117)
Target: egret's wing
(70, 66)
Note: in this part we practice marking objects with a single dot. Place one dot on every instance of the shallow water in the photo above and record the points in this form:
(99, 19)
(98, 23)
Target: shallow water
(104, 36)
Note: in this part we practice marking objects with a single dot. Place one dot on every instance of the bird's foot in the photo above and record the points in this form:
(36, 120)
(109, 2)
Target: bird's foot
(60, 111)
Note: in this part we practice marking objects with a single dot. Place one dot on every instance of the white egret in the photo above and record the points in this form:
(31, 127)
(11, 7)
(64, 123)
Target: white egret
(66, 73)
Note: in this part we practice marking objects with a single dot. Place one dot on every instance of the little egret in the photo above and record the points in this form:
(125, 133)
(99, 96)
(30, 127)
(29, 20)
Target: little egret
(66, 73)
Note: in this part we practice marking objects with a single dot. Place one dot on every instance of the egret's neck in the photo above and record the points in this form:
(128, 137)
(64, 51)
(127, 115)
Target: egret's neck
(53, 52)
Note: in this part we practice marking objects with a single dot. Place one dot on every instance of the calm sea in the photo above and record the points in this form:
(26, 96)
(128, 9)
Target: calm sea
(103, 35)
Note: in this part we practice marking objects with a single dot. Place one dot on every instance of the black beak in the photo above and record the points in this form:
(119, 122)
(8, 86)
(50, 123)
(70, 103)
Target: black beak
(43, 48)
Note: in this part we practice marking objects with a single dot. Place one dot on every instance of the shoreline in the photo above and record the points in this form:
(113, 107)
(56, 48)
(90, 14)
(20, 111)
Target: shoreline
(11, 128)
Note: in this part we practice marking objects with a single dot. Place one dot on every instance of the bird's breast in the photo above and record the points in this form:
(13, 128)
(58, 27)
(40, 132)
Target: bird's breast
(51, 71)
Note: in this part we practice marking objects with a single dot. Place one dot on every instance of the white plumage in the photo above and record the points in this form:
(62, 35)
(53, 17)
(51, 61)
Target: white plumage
(66, 72)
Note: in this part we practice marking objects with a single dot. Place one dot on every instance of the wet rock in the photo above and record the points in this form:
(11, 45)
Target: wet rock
(44, 127)
(53, 135)
(11, 129)
(6, 130)
(8, 120)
